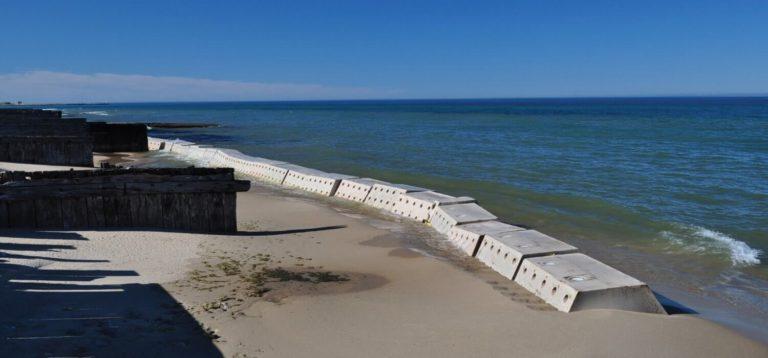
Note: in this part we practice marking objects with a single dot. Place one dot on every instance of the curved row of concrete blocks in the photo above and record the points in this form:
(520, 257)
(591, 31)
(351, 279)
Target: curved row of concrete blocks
(549, 268)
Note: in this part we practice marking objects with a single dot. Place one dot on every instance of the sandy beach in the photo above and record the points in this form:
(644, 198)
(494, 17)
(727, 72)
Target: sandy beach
(303, 277)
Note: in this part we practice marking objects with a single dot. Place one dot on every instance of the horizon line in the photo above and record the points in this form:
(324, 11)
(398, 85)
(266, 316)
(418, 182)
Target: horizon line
(691, 96)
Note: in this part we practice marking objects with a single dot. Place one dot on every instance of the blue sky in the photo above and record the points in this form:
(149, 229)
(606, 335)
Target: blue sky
(241, 50)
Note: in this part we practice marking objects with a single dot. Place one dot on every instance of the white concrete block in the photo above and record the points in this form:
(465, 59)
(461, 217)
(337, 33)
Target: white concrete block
(385, 195)
(445, 217)
(467, 237)
(199, 155)
(505, 251)
(179, 146)
(574, 282)
(156, 143)
(260, 168)
(312, 180)
(420, 205)
(356, 189)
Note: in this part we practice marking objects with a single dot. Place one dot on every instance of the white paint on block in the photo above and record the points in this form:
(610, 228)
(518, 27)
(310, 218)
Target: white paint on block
(179, 146)
(574, 282)
(385, 195)
(311, 180)
(505, 251)
(467, 237)
(155, 143)
(356, 189)
(260, 168)
(420, 205)
(199, 155)
(445, 217)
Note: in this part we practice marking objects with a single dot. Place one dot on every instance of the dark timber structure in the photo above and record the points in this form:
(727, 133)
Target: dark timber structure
(43, 137)
(189, 199)
(118, 137)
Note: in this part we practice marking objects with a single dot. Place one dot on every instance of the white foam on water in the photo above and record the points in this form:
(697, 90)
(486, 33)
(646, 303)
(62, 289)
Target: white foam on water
(699, 239)
(97, 113)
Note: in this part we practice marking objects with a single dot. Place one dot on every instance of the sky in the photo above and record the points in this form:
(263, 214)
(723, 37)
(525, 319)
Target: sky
(128, 51)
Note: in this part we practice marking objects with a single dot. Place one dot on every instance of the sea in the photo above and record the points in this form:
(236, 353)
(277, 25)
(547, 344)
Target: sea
(673, 191)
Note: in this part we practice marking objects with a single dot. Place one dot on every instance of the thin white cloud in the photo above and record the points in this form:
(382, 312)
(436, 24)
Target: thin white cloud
(47, 86)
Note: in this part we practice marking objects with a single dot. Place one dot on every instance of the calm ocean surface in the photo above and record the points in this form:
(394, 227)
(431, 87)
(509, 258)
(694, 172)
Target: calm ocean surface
(671, 190)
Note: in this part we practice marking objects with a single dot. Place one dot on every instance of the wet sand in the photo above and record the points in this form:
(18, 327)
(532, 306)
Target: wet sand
(304, 277)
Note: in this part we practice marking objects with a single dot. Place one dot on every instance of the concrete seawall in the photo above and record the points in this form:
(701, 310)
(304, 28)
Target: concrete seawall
(568, 281)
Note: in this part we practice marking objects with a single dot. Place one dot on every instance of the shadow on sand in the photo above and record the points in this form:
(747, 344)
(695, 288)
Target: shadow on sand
(51, 312)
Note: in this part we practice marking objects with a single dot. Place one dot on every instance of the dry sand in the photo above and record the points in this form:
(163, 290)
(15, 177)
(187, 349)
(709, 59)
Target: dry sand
(305, 277)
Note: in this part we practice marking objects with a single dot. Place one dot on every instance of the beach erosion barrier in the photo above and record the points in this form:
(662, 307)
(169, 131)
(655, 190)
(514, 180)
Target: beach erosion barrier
(188, 199)
(547, 267)
(43, 137)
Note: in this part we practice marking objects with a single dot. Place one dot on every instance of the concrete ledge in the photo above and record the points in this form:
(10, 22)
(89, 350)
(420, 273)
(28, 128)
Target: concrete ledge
(384, 196)
(505, 251)
(201, 155)
(155, 143)
(446, 217)
(467, 237)
(177, 146)
(356, 189)
(311, 180)
(260, 168)
(420, 205)
(574, 282)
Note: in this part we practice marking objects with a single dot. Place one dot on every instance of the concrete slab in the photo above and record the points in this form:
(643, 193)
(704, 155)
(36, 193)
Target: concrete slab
(179, 146)
(420, 205)
(262, 169)
(574, 282)
(312, 180)
(467, 237)
(385, 195)
(446, 217)
(156, 143)
(200, 155)
(505, 251)
(356, 189)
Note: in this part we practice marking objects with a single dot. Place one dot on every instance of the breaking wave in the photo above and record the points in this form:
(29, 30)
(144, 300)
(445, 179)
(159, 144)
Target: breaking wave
(97, 113)
(700, 240)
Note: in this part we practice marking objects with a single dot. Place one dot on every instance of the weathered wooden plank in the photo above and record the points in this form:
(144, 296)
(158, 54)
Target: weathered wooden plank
(3, 215)
(21, 213)
(146, 210)
(117, 176)
(74, 212)
(188, 187)
(167, 202)
(229, 212)
(195, 211)
(59, 191)
(117, 211)
(48, 213)
(96, 212)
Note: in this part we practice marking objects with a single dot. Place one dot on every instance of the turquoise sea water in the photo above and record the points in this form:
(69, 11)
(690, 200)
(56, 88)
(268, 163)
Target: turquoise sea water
(671, 190)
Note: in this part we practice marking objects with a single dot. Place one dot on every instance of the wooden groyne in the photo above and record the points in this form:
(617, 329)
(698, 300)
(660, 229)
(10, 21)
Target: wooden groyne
(190, 199)
(19, 113)
(43, 137)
